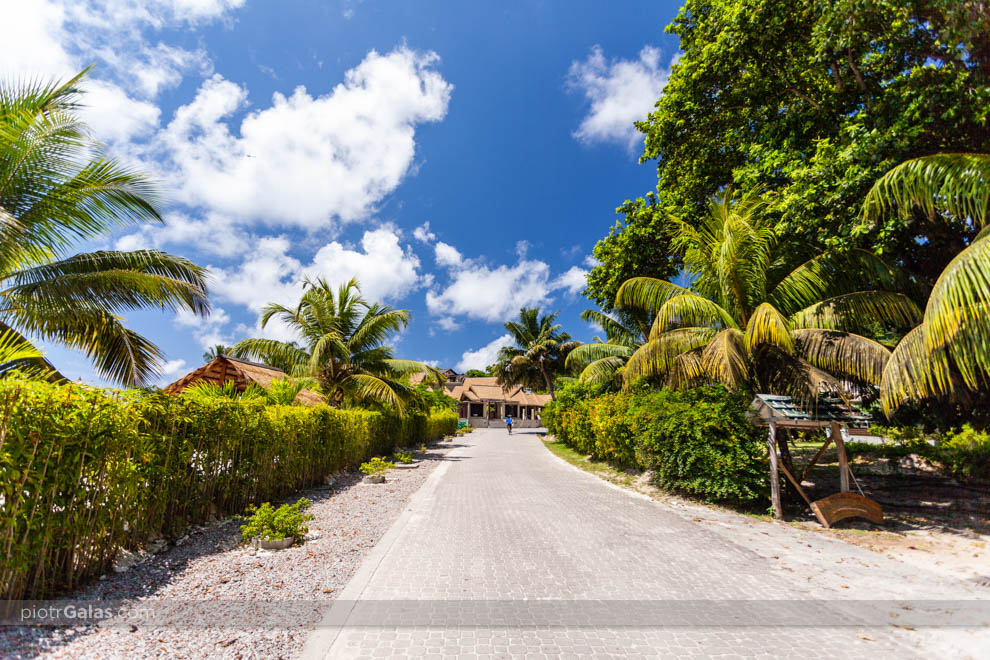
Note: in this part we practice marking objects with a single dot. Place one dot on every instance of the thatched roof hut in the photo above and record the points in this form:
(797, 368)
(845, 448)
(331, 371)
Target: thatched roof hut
(242, 373)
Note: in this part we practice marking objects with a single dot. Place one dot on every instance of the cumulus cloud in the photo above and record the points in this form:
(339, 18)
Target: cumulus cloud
(172, 367)
(573, 280)
(619, 92)
(305, 161)
(447, 255)
(384, 268)
(484, 356)
(209, 330)
(423, 233)
(492, 294)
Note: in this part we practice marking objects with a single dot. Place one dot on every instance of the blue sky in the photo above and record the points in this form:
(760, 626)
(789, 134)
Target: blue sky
(460, 159)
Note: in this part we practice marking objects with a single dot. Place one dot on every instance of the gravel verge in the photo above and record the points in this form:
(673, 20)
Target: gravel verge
(210, 564)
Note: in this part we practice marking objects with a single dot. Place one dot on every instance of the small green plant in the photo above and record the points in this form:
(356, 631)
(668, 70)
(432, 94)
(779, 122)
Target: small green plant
(402, 457)
(271, 524)
(377, 465)
(422, 448)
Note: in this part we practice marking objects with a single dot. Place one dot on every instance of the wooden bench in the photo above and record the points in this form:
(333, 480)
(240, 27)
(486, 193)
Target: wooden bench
(840, 506)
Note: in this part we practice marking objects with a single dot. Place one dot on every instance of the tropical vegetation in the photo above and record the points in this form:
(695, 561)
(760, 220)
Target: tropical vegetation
(57, 188)
(87, 471)
(603, 360)
(537, 357)
(215, 351)
(344, 347)
(756, 317)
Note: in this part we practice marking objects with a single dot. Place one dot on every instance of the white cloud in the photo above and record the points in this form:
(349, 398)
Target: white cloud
(484, 356)
(447, 255)
(492, 294)
(208, 331)
(306, 161)
(384, 269)
(620, 92)
(573, 280)
(423, 233)
(172, 367)
(590, 261)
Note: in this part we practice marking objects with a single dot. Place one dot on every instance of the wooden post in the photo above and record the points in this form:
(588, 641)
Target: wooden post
(778, 511)
(840, 449)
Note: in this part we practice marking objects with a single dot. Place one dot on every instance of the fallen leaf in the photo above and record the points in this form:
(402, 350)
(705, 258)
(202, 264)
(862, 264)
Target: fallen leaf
(866, 637)
(328, 591)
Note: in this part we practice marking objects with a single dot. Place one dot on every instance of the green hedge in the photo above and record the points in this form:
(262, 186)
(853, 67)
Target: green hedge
(84, 471)
(696, 441)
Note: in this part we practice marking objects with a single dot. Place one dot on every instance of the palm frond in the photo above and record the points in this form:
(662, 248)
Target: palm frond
(364, 387)
(957, 317)
(726, 360)
(842, 353)
(768, 326)
(602, 371)
(690, 310)
(828, 275)
(955, 183)
(647, 293)
(587, 353)
(914, 372)
(858, 310)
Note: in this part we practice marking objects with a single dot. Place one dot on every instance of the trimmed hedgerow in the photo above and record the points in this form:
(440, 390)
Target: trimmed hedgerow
(696, 441)
(85, 471)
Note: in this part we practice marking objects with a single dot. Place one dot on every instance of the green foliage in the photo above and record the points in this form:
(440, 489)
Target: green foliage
(963, 452)
(476, 373)
(636, 246)
(758, 316)
(271, 524)
(58, 188)
(85, 471)
(814, 101)
(539, 354)
(376, 465)
(697, 441)
(425, 398)
(403, 457)
(345, 349)
(215, 351)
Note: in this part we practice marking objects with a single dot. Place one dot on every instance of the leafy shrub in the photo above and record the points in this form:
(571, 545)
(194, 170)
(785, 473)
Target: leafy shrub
(963, 453)
(698, 441)
(376, 465)
(86, 471)
(271, 524)
(402, 457)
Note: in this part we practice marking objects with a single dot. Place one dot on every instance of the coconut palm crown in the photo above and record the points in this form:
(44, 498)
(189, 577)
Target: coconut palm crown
(947, 355)
(752, 319)
(603, 360)
(56, 189)
(342, 345)
(539, 352)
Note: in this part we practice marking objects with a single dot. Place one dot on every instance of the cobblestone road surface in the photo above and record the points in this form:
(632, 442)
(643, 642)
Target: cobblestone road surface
(505, 521)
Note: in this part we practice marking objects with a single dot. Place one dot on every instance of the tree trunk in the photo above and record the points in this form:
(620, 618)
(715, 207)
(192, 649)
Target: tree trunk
(546, 377)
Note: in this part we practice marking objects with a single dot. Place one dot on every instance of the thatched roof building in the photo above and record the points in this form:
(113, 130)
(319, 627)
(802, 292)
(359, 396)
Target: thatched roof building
(243, 373)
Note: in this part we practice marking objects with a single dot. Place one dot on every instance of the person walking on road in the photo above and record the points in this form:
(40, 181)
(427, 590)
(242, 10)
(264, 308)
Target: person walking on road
(508, 423)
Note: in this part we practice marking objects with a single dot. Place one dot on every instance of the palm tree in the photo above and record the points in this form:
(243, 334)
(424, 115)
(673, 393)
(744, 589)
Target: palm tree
(603, 361)
(343, 345)
(751, 319)
(55, 189)
(948, 353)
(215, 351)
(539, 354)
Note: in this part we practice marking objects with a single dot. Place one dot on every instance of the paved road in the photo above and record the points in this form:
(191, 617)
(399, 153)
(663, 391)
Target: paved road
(505, 521)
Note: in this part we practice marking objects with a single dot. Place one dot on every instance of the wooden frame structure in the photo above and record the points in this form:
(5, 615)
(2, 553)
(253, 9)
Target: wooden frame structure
(781, 412)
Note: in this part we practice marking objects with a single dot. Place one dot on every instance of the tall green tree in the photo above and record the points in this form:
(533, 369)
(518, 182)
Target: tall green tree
(815, 101)
(755, 318)
(56, 189)
(539, 353)
(947, 355)
(343, 346)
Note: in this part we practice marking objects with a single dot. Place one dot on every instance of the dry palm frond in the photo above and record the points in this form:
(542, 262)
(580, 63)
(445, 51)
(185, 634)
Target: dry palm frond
(726, 360)
(842, 353)
(914, 372)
